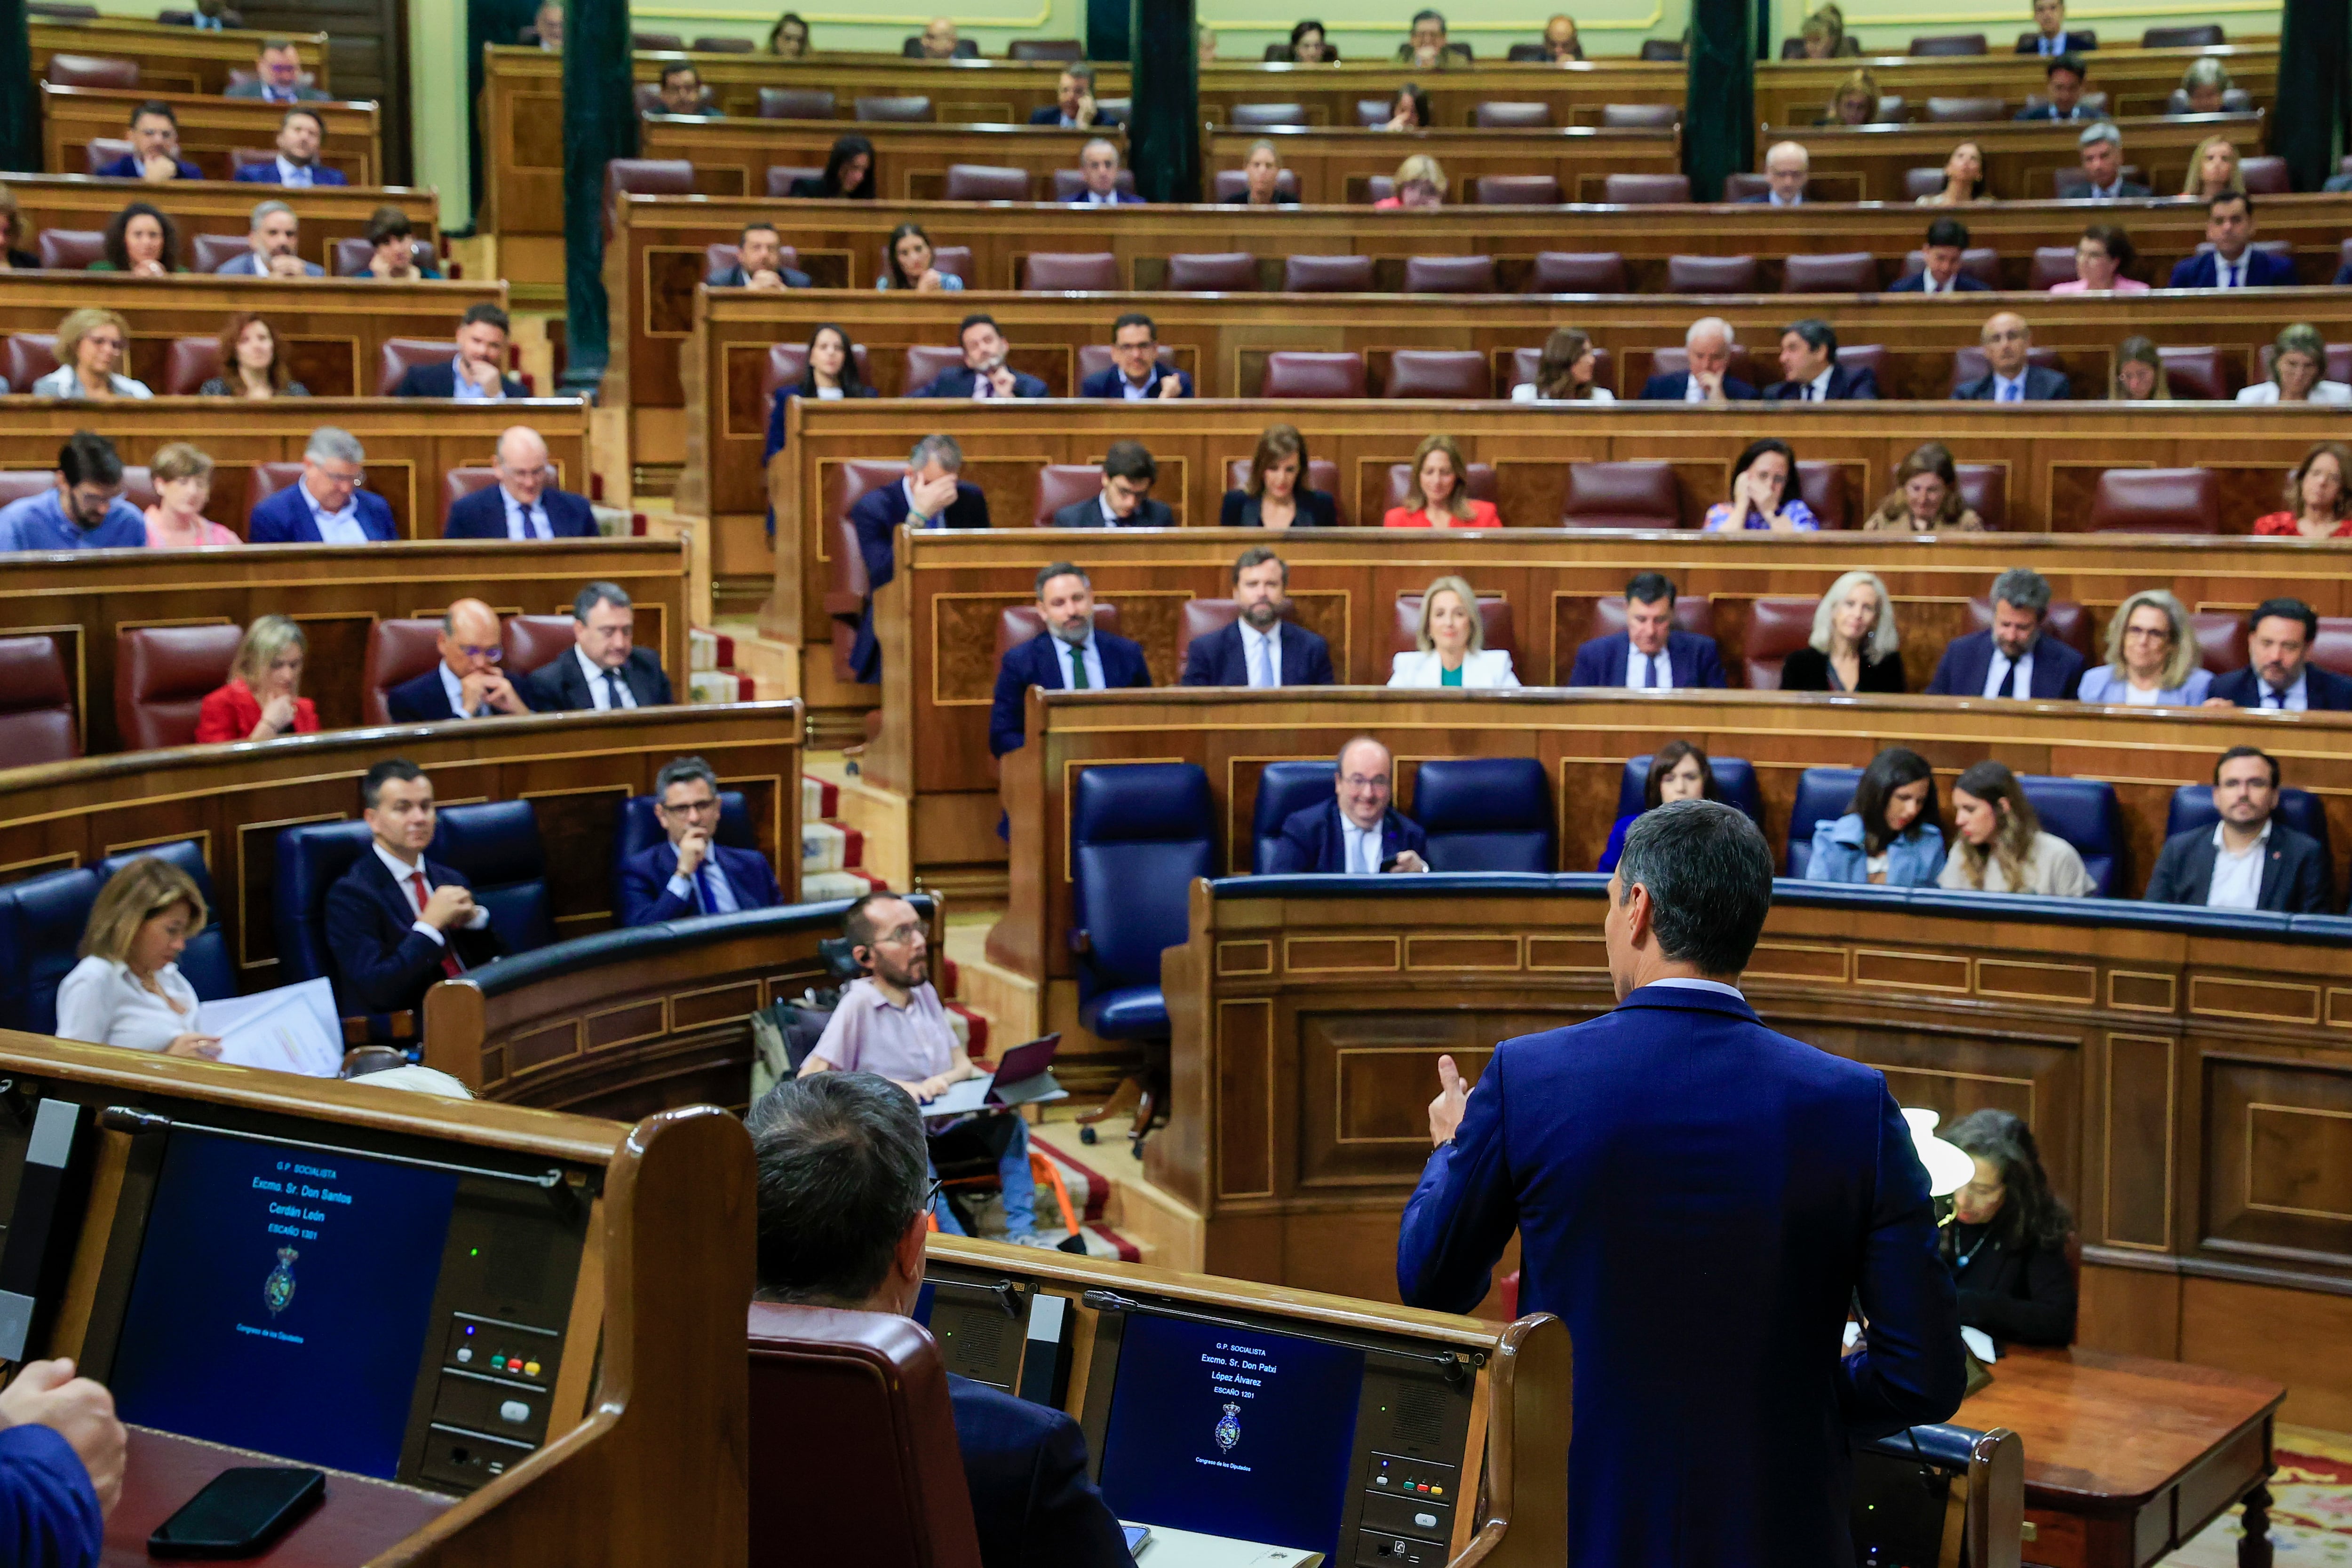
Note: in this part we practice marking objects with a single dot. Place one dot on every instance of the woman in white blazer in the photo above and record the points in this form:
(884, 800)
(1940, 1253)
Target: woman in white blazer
(1450, 635)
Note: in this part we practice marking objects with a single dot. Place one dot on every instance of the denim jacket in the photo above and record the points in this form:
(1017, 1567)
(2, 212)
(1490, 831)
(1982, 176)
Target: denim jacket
(1912, 861)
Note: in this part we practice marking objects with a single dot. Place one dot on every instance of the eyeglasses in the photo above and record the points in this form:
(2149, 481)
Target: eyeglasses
(685, 808)
(491, 655)
(1358, 781)
(931, 1193)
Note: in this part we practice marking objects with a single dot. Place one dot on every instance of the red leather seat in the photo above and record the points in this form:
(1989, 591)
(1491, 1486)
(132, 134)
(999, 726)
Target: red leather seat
(2065, 621)
(1019, 623)
(1219, 272)
(2266, 177)
(1623, 495)
(1257, 115)
(37, 708)
(1871, 356)
(1577, 272)
(1980, 262)
(2221, 638)
(1777, 627)
(101, 151)
(460, 483)
(400, 355)
(1512, 117)
(2339, 355)
(1044, 49)
(397, 650)
(883, 1486)
(1093, 359)
(1232, 184)
(1640, 117)
(1842, 272)
(161, 676)
(986, 183)
(531, 641)
(27, 357)
(1061, 485)
(1494, 618)
(1439, 373)
(782, 175)
(1371, 113)
(1206, 617)
(796, 103)
(724, 47)
(847, 585)
(2156, 501)
(1292, 373)
(1919, 182)
(1327, 275)
(210, 253)
(264, 480)
(925, 363)
(648, 177)
(1525, 362)
(670, 43)
(1449, 275)
(787, 363)
(1966, 111)
(1736, 187)
(1968, 363)
(352, 255)
(1480, 484)
(2053, 265)
(1662, 49)
(92, 70)
(1646, 190)
(69, 250)
(1045, 271)
(1984, 490)
(1822, 485)
(1693, 612)
(894, 109)
(15, 483)
(1517, 191)
(1068, 182)
(1322, 474)
(2204, 372)
(2198, 36)
(1711, 274)
(1949, 44)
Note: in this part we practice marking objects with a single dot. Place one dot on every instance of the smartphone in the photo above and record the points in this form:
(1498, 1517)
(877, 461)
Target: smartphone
(241, 1513)
(1137, 1534)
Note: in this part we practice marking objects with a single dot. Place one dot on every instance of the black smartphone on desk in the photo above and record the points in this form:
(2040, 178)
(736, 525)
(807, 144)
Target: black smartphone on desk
(241, 1513)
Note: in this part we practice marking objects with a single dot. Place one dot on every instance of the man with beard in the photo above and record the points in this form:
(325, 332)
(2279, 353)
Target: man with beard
(1260, 648)
(1069, 654)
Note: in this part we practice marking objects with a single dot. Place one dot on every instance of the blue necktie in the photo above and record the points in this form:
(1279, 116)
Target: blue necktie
(1260, 675)
(707, 888)
(1650, 672)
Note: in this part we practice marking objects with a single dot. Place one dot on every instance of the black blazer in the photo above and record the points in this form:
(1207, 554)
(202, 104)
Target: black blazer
(2068, 42)
(1845, 386)
(1149, 513)
(1808, 669)
(1962, 283)
(2020, 1293)
(812, 186)
(1052, 115)
(441, 380)
(2322, 690)
(2294, 871)
(558, 686)
(1031, 1500)
(2042, 385)
(383, 964)
(736, 278)
(1315, 510)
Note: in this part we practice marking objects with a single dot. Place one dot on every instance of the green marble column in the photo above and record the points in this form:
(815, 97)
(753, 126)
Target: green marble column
(1163, 129)
(600, 123)
(1719, 125)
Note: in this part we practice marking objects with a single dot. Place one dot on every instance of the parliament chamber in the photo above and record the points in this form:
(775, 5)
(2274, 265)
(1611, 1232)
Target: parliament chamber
(605, 597)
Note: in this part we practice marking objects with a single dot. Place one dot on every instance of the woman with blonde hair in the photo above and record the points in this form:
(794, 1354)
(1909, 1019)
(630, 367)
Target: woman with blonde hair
(128, 990)
(1437, 495)
(1925, 498)
(1823, 34)
(1262, 179)
(263, 699)
(2152, 656)
(2001, 847)
(2298, 371)
(2318, 497)
(183, 476)
(1420, 182)
(1855, 101)
(1450, 644)
(1564, 373)
(1964, 179)
(1856, 645)
(2213, 169)
(91, 345)
(2139, 372)
(12, 230)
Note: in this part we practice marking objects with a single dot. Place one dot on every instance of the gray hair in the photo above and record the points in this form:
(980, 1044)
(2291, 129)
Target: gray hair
(585, 603)
(2205, 71)
(333, 444)
(266, 208)
(684, 770)
(843, 1172)
(2024, 587)
(2105, 131)
(1709, 873)
(1715, 324)
(1884, 640)
(940, 447)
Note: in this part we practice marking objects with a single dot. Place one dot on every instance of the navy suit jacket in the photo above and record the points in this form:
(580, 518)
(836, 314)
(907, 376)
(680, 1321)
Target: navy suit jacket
(875, 516)
(441, 380)
(559, 686)
(2042, 385)
(735, 277)
(127, 168)
(1087, 514)
(1700, 1198)
(2263, 270)
(266, 175)
(1052, 115)
(248, 265)
(1693, 658)
(1118, 198)
(2294, 871)
(1313, 840)
(1671, 389)
(1039, 662)
(645, 897)
(1917, 283)
(1960, 673)
(483, 516)
(420, 700)
(1032, 1504)
(2069, 43)
(1845, 386)
(2048, 111)
(2324, 690)
(49, 1516)
(956, 382)
(1219, 660)
(383, 964)
(1105, 382)
(285, 519)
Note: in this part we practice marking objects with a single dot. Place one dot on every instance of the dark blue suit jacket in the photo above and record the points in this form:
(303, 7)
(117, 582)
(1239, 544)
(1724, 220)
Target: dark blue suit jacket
(483, 516)
(1693, 658)
(127, 168)
(1313, 840)
(1219, 660)
(1960, 673)
(1671, 389)
(1039, 662)
(1105, 383)
(383, 964)
(2263, 270)
(285, 519)
(736, 278)
(2294, 871)
(1032, 1504)
(266, 175)
(956, 382)
(1119, 198)
(441, 380)
(49, 1516)
(2325, 690)
(1701, 1199)
(1052, 115)
(420, 700)
(876, 515)
(1845, 386)
(646, 900)
(1917, 283)
(2042, 385)
(2069, 43)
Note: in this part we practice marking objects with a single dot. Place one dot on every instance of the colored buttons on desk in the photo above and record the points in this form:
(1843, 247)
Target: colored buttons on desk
(516, 1411)
(464, 1352)
(531, 1369)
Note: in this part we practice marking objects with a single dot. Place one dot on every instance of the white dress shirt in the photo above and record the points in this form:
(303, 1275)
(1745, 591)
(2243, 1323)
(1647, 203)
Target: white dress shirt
(2001, 664)
(454, 690)
(2297, 698)
(1087, 650)
(1693, 983)
(2237, 874)
(101, 1001)
(1773, 199)
(1928, 284)
(465, 389)
(297, 175)
(525, 522)
(1363, 846)
(600, 689)
(335, 527)
(401, 873)
(2228, 274)
(1692, 392)
(1134, 391)
(717, 896)
(1637, 669)
(1818, 388)
(1261, 653)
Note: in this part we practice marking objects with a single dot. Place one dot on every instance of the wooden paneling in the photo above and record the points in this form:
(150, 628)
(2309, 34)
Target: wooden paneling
(210, 128)
(328, 213)
(1337, 165)
(171, 59)
(1796, 94)
(2020, 159)
(731, 157)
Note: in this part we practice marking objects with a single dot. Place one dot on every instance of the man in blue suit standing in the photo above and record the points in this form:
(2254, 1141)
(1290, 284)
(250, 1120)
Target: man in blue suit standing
(983, 373)
(2279, 673)
(1069, 654)
(2232, 262)
(1652, 654)
(1260, 648)
(1137, 372)
(2014, 659)
(296, 165)
(691, 872)
(1358, 831)
(524, 504)
(154, 154)
(1701, 1199)
(398, 924)
(326, 505)
(933, 495)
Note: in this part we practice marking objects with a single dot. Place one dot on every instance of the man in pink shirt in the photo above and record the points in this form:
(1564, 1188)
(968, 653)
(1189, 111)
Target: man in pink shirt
(890, 1023)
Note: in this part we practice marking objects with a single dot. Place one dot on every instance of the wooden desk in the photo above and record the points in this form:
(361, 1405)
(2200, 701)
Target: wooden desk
(328, 213)
(1797, 93)
(1337, 165)
(732, 157)
(210, 127)
(172, 59)
(2020, 160)
(2128, 1458)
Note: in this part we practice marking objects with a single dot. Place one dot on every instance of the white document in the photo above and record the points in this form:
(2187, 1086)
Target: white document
(1979, 1344)
(293, 1028)
(966, 1098)
(1166, 1548)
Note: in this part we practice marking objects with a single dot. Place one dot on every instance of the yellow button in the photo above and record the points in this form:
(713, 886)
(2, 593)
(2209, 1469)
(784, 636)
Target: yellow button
(1437, 1491)
(531, 1369)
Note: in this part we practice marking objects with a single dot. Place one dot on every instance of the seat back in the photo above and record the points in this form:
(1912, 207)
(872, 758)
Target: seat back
(101, 151)
(845, 484)
(1777, 627)
(1061, 485)
(670, 43)
(210, 253)
(636, 828)
(189, 363)
(1044, 49)
(1439, 373)
(1845, 272)
(1486, 813)
(161, 675)
(1295, 373)
(2203, 370)
(1069, 182)
(1283, 789)
(1712, 274)
(1232, 184)
(534, 640)
(1984, 490)
(69, 250)
(986, 183)
(1577, 272)
(1223, 272)
(2065, 621)
(398, 356)
(41, 923)
(1517, 191)
(2265, 175)
(1043, 270)
(782, 175)
(1640, 117)
(2053, 265)
(205, 961)
(1661, 48)
(1642, 494)
(36, 702)
(1966, 111)
(1449, 275)
(2084, 813)
(796, 103)
(1949, 44)
(1969, 362)
(495, 845)
(1255, 116)
(1512, 117)
(709, 45)
(926, 362)
(648, 177)
(1822, 796)
(264, 480)
(92, 70)
(915, 108)
(1737, 187)
(1327, 275)
(2156, 501)
(1922, 182)
(1139, 833)
(1495, 629)
(310, 858)
(885, 1487)
(1734, 783)
(397, 650)
(2201, 36)
(1822, 485)
(1646, 190)
(1526, 362)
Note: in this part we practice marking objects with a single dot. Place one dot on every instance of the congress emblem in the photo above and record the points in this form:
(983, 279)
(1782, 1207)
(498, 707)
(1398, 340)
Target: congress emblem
(277, 1290)
(1229, 1428)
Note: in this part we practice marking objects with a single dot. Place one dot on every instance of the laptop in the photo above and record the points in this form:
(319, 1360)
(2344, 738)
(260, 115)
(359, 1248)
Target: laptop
(1023, 1077)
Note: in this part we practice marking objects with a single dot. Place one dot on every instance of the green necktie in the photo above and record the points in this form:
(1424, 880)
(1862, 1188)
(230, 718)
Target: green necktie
(1078, 666)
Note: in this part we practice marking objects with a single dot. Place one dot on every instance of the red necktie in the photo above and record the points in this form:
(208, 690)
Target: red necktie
(451, 964)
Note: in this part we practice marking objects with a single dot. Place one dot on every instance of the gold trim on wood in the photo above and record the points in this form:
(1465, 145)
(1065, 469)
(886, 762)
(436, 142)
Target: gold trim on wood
(1261, 950)
(1293, 945)
(2248, 1195)
(2199, 983)
(2137, 977)
(2107, 1142)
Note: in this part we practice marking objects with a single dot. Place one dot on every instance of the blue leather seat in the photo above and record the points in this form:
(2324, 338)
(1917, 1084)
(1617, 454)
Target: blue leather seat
(310, 858)
(1283, 789)
(1139, 833)
(1822, 796)
(1735, 777)
(638, 829)
(2192, 808)
(1486, 813)
(2084, 813)
(495, 845)
(41, 923)
(205, 961)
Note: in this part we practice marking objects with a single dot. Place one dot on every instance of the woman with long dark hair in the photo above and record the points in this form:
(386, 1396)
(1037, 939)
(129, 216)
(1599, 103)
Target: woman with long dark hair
(848, 174)
(1892, 833)
(2007, 1244)
(1680, 771)
(829, 373)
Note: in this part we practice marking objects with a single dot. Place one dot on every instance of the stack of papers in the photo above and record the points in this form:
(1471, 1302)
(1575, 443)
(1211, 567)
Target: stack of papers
(294, 1029)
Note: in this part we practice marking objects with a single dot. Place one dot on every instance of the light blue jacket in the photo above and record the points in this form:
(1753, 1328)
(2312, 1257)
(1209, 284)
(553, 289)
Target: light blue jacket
(1912, 861)
(2106, 684)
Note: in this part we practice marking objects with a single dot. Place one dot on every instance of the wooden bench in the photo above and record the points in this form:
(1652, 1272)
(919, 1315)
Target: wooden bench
(732, 157)
(1335, 166)
(211, 129)
(327, 212)
(173, 59)
(2020, 160)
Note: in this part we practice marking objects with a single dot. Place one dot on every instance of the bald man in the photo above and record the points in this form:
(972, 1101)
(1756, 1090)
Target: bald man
(939, 41)
(2011, 375)
(524, 504)
(467, 681)
(1788, 167)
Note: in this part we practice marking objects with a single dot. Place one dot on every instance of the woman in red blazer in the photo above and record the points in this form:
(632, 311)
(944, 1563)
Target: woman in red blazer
(260, 701)
(1439, 496)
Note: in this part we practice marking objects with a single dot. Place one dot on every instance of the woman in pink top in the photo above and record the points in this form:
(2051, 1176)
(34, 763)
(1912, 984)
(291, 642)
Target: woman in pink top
(183, 483)
(2100, 257)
